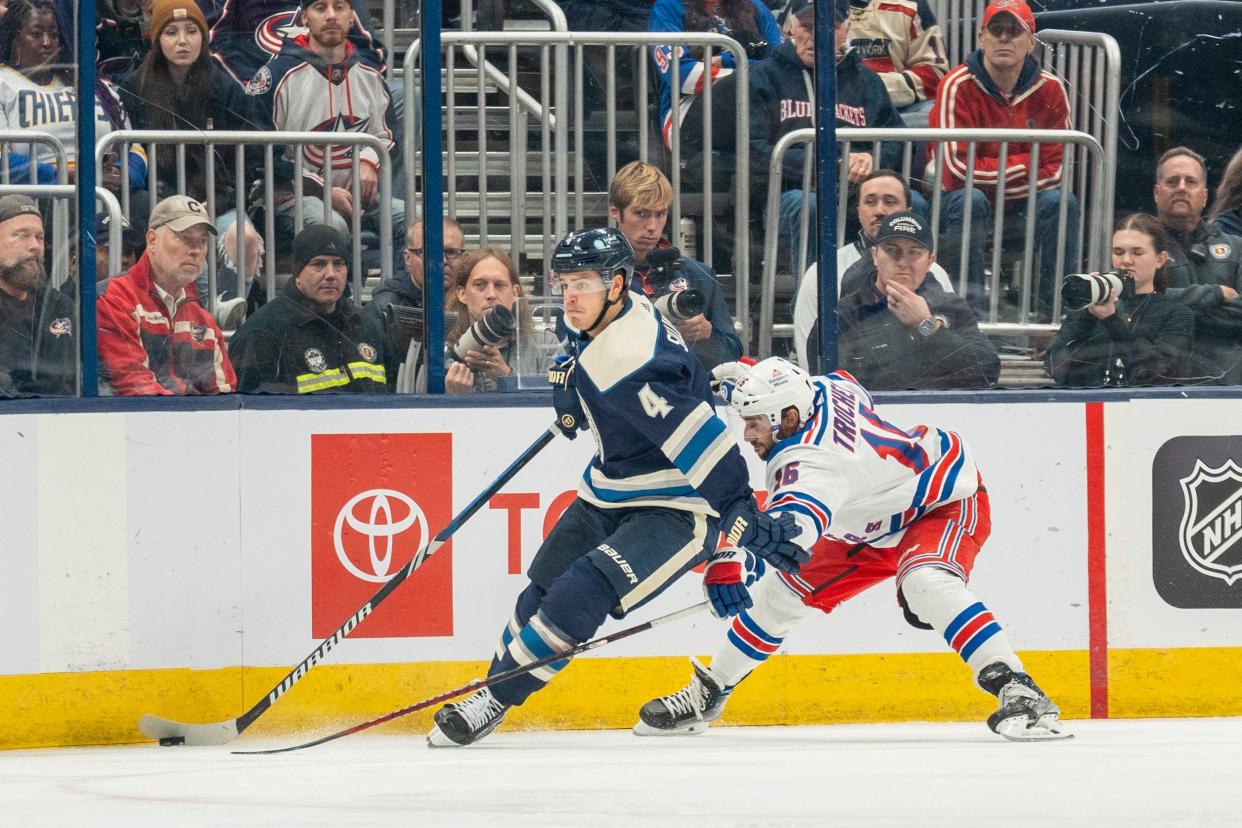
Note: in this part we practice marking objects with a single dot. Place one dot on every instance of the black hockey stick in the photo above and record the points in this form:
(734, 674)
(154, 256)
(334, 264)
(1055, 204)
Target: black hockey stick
(169, 732)
(479, 684)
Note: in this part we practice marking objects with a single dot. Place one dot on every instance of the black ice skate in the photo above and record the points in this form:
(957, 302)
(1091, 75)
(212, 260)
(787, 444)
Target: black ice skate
(688, 711)
(1025, 713)
(467, 721)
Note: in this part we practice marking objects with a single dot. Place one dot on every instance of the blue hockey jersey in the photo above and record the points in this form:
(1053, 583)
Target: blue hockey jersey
(658, 441)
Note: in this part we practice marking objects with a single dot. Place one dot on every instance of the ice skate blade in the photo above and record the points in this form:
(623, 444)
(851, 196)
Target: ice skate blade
(1047, 729)
(436, 739)
(692, 729)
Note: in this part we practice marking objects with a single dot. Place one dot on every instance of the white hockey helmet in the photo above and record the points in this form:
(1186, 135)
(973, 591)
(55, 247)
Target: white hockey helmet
(771, 386)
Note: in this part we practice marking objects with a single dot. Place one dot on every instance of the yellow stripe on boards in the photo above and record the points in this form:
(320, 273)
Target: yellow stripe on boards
(57, 709)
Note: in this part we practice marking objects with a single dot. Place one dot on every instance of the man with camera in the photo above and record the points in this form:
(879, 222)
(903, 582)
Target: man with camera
(307, 340)
(903, 330)
(1205, 265)
(684, 290)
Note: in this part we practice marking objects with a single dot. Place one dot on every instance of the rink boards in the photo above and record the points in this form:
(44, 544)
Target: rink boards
(180, 562)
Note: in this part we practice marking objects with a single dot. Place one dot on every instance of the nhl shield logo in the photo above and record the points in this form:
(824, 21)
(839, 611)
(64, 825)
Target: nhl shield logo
(1210, 534)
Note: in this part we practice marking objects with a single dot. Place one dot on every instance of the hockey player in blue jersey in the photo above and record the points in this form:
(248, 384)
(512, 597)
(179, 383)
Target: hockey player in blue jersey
(666, 477)
(874, 502)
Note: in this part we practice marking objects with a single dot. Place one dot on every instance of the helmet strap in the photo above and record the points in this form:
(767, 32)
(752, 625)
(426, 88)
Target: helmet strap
(608, 303)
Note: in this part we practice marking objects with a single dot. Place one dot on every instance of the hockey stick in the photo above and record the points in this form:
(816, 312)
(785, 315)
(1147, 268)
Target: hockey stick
(479, 684)
(169, 732)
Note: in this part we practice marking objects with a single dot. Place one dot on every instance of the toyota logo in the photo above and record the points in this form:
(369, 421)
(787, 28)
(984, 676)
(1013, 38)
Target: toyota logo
(377, 523)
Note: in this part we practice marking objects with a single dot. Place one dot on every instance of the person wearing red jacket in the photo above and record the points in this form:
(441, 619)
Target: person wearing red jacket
(155, 337)
(1000, 86)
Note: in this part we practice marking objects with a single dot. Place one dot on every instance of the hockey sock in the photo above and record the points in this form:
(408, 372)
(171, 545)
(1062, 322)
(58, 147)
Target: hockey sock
(571, 611)
(526, 606)
(942, 599)
(757, 633)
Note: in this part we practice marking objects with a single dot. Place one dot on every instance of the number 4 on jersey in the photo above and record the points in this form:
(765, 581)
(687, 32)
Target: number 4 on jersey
(653, 403)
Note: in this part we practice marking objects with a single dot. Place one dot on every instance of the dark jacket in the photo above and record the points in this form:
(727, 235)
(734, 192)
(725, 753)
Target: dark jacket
(290, 347)
(1230, 221)
(397, 289)
(782, 100)
(723, 345)
(1199, 263)
(1148, 341)
(38, 344)
(883, 353)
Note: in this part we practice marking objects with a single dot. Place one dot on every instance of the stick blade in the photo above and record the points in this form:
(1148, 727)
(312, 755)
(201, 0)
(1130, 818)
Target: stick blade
(168, 732)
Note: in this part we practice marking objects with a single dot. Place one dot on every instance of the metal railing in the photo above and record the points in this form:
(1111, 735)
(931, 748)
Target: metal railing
(14, 140)
(1090, 201)
(239, 140)
(959, 22)
(548, 110)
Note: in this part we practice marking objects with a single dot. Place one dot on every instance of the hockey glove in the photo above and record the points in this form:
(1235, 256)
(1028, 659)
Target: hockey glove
(725, 376)
(570, 418)
(769, 537)
(725, 580)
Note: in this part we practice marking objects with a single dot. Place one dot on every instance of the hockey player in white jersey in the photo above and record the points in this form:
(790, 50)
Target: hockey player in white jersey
(873, 501)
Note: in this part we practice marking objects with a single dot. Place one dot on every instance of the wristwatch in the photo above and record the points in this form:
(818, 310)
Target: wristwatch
(932, 324)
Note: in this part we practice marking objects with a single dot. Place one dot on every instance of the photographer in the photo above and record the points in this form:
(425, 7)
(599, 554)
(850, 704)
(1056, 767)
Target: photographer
(1135, 335)
(494, 335)
(638, 201)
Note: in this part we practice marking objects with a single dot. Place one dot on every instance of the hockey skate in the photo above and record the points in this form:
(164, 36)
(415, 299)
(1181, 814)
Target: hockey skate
(466, 722)
(688, 711)
(1025, 713)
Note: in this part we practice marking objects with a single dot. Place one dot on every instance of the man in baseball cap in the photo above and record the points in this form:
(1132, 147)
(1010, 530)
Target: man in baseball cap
(1018, 9)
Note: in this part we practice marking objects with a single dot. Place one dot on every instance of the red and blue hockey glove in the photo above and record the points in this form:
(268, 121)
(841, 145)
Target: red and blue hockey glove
(570, 418)
(769, 537)
(725, 580)
(725, 376)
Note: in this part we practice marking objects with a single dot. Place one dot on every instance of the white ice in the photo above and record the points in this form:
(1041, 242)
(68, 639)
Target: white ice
(1117, 772)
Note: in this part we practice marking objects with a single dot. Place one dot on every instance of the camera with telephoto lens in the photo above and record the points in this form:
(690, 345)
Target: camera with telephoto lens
(495, 327)
(666, 265)
(1083, 289)
(680, 306)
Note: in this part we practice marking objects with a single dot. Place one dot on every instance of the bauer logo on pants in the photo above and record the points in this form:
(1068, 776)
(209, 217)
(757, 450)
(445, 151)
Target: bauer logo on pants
(1197, 522)
(376, 499)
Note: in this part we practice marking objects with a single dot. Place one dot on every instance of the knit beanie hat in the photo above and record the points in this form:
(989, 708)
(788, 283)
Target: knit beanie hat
(318, 240)
(164, 12)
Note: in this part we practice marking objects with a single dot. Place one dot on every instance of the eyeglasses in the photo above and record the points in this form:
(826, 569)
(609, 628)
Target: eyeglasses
(1009, 30)
(450, 253)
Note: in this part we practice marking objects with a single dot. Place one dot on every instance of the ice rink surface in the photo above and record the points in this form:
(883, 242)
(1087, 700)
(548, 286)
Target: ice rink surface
(1118, 772)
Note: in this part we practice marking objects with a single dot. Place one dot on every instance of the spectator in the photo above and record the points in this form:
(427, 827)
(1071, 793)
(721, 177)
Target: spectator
(38, 341)
(882, 193)
(749, 22)
(1140, 339)
(901, 41)
(1000, 86)
(37, 93)
(903, 330)
(318, 83)
(1205, 265)
(308, 341)
(155, 337)
(606, 15)
(122, 37)
(638, 201)
(407, 290)
(1227, 209)
(488, 278)
(179, 86)
(782, 100)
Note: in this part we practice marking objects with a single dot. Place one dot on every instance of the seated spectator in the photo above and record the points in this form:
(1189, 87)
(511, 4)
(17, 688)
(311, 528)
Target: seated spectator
(1227, 209)
(308, 340)
(901, 41)
(1139, 339)
(155, 337)
(1000, 86)
(903, 330)
(1205, 265)
(318, 83)
(782, 100)
(638, 201)
(606, 15)
(881, 193)
(180, 86)
(407, 288)
(38, 328)
(122, 37)
(37, 93)
(749, 22)
(487, 279)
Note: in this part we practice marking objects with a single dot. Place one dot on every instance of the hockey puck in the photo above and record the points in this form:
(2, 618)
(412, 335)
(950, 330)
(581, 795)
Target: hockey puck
(168, 741)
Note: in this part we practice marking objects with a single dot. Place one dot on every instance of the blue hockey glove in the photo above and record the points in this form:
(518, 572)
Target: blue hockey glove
(767, 536)
(570, 418)
(725, 580)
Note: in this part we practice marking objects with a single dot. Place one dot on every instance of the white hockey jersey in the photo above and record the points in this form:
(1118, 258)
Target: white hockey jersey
(849, 475)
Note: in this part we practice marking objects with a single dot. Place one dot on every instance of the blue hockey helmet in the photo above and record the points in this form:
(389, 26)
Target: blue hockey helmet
(605, 250)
